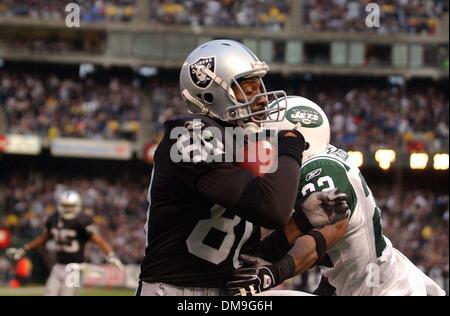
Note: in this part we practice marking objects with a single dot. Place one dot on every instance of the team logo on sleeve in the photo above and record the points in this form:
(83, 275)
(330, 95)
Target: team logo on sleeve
(306, 116)
(198, 74)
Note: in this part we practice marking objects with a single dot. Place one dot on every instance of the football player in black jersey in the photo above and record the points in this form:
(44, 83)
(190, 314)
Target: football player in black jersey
(204, 212)
(70, 229)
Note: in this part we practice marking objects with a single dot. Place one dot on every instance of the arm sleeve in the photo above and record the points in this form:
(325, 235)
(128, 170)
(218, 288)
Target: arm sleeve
(275, 246)
(48, 224)
(266, 201)
(88, 227)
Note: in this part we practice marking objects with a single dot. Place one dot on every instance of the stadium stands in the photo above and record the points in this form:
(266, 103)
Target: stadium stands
(91, 10)
(52, 105)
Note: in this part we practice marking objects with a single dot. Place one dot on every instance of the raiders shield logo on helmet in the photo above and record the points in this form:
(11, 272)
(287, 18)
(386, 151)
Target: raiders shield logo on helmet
(197, 71)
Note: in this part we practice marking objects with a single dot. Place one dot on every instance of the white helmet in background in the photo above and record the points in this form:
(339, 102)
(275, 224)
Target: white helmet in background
(309, 119)
(69, 204)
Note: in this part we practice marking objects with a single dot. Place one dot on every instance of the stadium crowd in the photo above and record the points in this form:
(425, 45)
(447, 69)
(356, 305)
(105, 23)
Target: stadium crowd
(324, 15)
(53, 105)
(363, 118)
(396, 16)
(54, 10)
(367, 118)
(266, 14)
(416, 222)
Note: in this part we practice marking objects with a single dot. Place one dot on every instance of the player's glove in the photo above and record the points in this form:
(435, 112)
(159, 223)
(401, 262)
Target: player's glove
(15, 253)
(259, 275)
(326, 207)
(114, 260)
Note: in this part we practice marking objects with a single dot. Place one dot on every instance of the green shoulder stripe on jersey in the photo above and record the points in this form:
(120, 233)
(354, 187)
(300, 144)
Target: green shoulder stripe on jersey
(328, 157)
(322, 173)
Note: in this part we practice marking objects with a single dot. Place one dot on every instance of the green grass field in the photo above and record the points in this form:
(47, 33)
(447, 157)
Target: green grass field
(39, 291)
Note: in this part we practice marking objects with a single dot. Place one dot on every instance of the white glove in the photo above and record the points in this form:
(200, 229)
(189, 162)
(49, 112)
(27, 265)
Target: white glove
(15, 253)
(326, 207)
(114, 260)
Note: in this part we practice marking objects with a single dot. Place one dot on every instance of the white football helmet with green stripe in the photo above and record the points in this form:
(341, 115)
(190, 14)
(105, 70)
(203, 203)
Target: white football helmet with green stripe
(309, 119)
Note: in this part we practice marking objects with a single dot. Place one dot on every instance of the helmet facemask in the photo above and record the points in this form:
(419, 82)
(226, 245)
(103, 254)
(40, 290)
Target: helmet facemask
(69, 211)
(69, 204)
(241, 111)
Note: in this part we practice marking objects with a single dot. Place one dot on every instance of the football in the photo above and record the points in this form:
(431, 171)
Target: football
(259, 157)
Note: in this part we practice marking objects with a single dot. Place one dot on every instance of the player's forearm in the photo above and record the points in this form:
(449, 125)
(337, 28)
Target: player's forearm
(37, 242)
(308, 250)
(333, 233)
(101, 243)
(304, 253)
(279, 242)
(268, 201)
(292, 232)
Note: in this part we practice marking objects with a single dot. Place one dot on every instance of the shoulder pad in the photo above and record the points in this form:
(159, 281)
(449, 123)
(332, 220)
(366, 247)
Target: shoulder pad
(192, 121)
(195, 138)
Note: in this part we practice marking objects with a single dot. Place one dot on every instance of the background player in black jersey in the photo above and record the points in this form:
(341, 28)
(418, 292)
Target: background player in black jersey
(71, 229)
(202, 214)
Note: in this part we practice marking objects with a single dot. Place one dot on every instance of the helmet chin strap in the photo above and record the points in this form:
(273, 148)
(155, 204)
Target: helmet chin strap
(196, 104)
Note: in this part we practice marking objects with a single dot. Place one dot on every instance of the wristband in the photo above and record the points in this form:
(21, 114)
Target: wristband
(321, 244)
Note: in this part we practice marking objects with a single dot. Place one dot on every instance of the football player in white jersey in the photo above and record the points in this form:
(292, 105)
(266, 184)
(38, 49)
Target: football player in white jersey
(363, 261)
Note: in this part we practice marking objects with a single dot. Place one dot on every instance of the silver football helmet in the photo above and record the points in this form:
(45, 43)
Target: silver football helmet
(69, 204)
(208, 75)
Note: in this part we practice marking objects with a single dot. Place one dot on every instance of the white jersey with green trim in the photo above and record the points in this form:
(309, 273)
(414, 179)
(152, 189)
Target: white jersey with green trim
(363, 262)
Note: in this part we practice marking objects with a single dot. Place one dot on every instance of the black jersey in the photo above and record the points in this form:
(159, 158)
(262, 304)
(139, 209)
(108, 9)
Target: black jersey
(191, 240)
(197, 228)
(70, 236)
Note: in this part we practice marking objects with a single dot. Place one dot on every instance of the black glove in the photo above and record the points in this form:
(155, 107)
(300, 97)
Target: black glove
(258, 275)
(292, 146)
